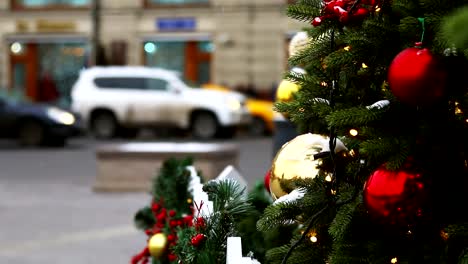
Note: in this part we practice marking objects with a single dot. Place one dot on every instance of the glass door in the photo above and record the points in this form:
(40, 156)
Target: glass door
(18, 91)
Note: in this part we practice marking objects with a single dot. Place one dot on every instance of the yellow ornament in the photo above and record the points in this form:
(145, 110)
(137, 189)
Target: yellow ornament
(157, 245)
(295, 160)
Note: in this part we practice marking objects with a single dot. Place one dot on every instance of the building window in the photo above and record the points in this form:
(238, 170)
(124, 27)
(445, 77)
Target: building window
(190, 58)
(25, 4)
(176, 2)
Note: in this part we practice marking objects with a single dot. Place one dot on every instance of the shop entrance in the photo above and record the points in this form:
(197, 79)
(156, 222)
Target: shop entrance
(45, 72)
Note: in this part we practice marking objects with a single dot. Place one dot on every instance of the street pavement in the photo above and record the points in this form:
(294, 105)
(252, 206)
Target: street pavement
(49, 213)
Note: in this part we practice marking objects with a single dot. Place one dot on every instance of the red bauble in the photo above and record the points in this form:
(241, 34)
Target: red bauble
(396, 197)
(266, 181)
(416, 77)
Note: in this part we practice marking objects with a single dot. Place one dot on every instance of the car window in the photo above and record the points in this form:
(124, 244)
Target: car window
(121, 82)
(156, 84)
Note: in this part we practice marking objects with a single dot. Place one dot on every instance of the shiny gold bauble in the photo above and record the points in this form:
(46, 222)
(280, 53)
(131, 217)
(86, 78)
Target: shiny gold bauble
(295, 160)
(157, 245)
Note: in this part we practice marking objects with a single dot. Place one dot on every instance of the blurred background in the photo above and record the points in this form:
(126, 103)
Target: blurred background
(49, 212)
(236, 43)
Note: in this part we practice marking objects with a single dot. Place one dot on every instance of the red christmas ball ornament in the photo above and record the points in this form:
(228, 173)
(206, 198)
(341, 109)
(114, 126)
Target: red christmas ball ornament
(396, 197)
(197, 239)
(416, 77)
(266, 181)
(172, 213)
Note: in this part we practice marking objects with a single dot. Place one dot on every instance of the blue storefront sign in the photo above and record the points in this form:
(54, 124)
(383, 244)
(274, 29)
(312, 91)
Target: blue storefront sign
(176, 24)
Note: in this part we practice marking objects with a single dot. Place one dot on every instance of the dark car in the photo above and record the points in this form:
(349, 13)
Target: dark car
(36, 124)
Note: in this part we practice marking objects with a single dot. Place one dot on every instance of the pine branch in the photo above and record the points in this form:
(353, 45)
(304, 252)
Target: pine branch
(302, 12)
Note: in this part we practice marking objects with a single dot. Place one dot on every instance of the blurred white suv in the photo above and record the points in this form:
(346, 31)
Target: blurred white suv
(124, 98)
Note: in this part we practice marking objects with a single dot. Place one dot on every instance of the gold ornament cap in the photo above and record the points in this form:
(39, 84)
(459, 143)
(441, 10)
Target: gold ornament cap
(157, 245)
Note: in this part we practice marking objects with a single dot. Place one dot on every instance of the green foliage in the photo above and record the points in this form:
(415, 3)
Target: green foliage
(230, 207)
(453, 29)
(171, 185)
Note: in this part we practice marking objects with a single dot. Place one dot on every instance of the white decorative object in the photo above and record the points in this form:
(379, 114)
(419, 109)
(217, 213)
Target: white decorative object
(298, 43)
(234, 252)
(203, 206)
(230, 173)
(292, 196)
(379, 104)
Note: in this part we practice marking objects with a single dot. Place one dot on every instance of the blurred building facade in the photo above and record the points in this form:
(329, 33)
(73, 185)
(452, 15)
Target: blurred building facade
(230, 42)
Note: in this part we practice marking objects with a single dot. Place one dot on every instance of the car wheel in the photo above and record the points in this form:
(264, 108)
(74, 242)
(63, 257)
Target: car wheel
(31, 133)
(257, 127)
(104, 125)
(204, 125)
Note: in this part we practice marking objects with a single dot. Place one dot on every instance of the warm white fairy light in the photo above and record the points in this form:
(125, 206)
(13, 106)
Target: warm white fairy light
(347, 48)
(364, 66)
(394, 260)
(328, 178)
(377, 9)
(313, 239)
(353, 132)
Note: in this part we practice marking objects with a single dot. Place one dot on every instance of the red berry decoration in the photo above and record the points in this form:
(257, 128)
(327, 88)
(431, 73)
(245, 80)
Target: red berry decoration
(172, 213)
(317, 22)
(198, 239)
(200, 223)
(416, 77)
(171, 257)
(395, 197)
(345, 11)
(360, 14)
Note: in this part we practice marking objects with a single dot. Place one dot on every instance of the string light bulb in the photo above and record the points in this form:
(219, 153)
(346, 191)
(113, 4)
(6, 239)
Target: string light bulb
(313, 239)
(353, 132)
(394, 260)
(364, 66)
(347, 48)
(328, 178)
(377, 9)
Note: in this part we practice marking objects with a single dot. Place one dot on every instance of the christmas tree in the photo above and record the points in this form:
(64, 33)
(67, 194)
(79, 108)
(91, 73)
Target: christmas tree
(380, 172)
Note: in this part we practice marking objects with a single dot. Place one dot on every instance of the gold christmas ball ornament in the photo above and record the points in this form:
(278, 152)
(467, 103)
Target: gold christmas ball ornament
(295, 160)
(157, 245)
